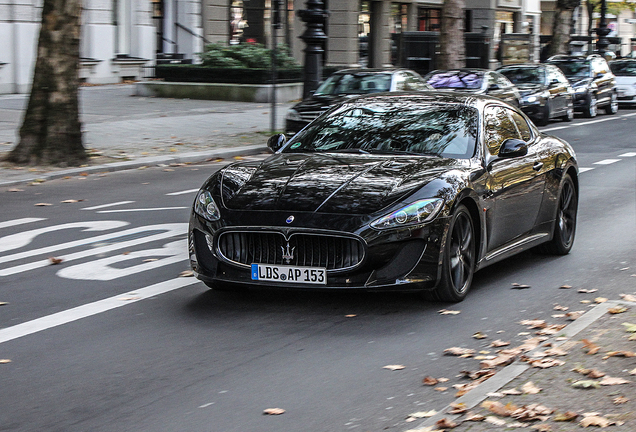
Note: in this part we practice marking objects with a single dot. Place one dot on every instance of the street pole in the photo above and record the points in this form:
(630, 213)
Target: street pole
(276, 24)
(602, 31)
(314, 37)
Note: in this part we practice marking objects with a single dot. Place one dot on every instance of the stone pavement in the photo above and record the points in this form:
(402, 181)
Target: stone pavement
(582, 375)
(122, 131)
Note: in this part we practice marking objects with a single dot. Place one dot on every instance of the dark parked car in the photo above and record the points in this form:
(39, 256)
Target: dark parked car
(625, 72)
(545, 92)
(349, 83)
(403, 191)
(476, 81)
(593, 82)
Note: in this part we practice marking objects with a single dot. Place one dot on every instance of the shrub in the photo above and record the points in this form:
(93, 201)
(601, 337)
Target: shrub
(246, 56)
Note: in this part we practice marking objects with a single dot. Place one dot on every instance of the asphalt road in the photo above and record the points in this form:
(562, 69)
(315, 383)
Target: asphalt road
(112, 339)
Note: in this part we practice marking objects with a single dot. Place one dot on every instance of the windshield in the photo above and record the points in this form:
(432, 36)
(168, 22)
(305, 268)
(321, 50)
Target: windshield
(623, 68)
(520, 76)
(575, 69)
(355, 84)
(456, 80)
(392, 128)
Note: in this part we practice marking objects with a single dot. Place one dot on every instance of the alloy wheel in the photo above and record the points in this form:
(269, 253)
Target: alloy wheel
(567, 213)
(462, 255)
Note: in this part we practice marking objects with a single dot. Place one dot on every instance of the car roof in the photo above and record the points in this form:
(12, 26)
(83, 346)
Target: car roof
(427, 97)
(525, 66)
(370, 71)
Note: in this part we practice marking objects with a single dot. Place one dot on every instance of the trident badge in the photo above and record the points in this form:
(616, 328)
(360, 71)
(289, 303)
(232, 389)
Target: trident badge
(288, 254)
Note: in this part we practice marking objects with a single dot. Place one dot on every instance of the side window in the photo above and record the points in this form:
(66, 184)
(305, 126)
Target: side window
(498, 127)
(522, 126)
(559, 75)
(413, 82)
(400, 83)
(503, 82)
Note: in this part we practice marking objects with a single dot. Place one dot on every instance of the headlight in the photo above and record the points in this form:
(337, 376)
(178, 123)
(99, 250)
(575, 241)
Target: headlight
(579, 90)
(206, 207)
(293, 115)
(531, 99)
(417, 213)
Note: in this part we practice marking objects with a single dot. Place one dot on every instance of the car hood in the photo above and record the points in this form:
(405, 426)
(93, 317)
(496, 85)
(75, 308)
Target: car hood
(328, 182)
(527, 89)
(320, 102)
(577, 82)
(625, 80)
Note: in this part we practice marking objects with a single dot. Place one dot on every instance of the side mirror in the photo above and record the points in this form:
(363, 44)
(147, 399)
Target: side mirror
(276, 142)
(513, 147)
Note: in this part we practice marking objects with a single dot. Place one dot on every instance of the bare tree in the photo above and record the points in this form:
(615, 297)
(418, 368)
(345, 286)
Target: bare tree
(51, 131)
(561, 26)
(451, 40)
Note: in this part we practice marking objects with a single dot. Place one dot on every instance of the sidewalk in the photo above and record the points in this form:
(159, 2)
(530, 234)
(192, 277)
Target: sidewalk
(583, 375)
(122, 131)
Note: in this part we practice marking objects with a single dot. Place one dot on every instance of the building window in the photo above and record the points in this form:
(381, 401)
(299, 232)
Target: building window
(429, 19)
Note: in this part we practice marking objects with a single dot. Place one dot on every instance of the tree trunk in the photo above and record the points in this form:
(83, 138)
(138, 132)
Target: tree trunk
(51, 131)
(451, 40)
(561, 26)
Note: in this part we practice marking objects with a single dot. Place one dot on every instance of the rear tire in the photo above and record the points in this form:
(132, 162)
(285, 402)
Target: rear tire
(591, 107)
(458, 261)
(569, 114)
(545, 115)
(565, 223)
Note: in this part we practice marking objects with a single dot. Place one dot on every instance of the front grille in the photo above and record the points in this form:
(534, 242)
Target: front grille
(309, 250)
(309, 115)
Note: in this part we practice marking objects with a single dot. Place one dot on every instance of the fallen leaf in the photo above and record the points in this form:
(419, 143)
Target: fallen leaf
(440, 389)
(608, 381)
(430, 381)
(595, 421)
(566, 416)
(520, 286)
(5, 361)
(480, 335)
(394, 367)
(186, 273)
(620, 400)
(16, 190)
(512, 392)
(150, 260)
(573, 316)
(471, 416)
(351, 316)
(495, 394)
(592, 348)
(617, 309)
(54, 260)
(442, 380)
(556, 351)
(456, 351)
(558, 316)
(630, 328)
(619, 354)
(586, 384)
(565, 287)
(532, 412)
(530, 388)
(69, 201)
(543, 427)
(458, 408)
(632, 372)
(587, 291)
(561, 308)
(498, 408)
(129, 298)
(499, 343)
(448, 312)
(600, 300)
(273, 411)
(534, 323)
(3, 303)
(446, 424)
(84, 174)
(546, 363)
(551, 329)
(500, 360)
(43, 204)
(495, 420)
(423, 414)
(595, 373)
(628, 297)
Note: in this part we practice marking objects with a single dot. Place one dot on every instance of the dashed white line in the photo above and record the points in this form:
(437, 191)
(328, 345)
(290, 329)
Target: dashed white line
(630, 154)
(585, 123)
(108, 205)
(141, 209)
(607, 161)
(582, 170)
(22, 221)
(189, 191)
(87, 310)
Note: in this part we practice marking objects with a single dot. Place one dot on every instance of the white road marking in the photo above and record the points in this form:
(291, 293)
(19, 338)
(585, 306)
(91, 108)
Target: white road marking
(588, 122)
(141, 210)
(607, 161)
(189, 191)
(630, 154)
(102, 269)
(14, 222)
(87, 310)
(107, 205)
(170, 230)
(21, 239)
(582, 170)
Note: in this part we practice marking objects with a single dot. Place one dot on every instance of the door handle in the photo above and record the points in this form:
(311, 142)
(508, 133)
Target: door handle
(537, 166)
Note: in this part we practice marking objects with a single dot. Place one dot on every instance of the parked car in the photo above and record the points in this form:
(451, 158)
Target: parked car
(402, 191)
(348, 83)
(476, 81)
(625, 72)
(593, 82)
(545, 92)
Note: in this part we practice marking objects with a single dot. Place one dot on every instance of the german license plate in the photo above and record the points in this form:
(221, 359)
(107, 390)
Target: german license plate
(289, 274)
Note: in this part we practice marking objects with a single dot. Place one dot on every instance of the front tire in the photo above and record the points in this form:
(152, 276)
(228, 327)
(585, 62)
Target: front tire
(565, 223)
(612, 108)
(545, 115)
(569, 113)
(458, 262)
(591, 108)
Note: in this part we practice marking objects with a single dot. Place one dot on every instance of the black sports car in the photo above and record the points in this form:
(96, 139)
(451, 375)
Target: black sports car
(404, 191)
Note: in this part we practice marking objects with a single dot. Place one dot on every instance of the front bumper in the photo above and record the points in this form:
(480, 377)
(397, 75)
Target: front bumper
(626, 94)
(401, 260)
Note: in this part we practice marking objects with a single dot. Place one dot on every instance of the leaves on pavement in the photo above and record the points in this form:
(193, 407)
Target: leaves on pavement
(499, 343)
(273, 411)
(186, 273)
(480, 335)
(5, 361)
(448, 312)
(462, 352)
(566, 416)
(586, 384)
(54, 260)
(430, 381)
(628, 297)
(394, 367)
(630, 328)
(446, 424)
(620, 400)
(530, 388)
(587, 291)
(617, 309)
(591, 347)
(609, 381)
(595, 420)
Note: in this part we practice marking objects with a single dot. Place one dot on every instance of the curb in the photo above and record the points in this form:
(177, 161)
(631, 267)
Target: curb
(146, 161)
(513, 370)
